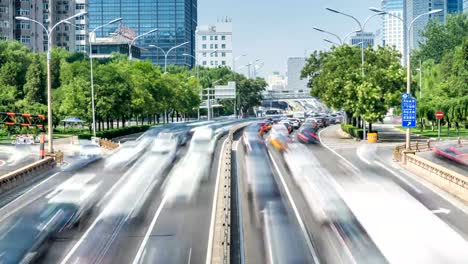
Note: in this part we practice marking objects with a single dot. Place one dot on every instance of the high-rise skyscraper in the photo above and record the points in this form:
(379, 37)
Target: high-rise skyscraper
(393, 30)
(214, 44)
(366, 37)
(176, 21)
(29, 34)
(295, 83)
(413, 8)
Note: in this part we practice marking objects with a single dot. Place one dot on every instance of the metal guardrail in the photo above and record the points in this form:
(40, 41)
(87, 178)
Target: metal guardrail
(19, 176)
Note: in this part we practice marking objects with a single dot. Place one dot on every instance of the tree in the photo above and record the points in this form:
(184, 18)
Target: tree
(34, 88)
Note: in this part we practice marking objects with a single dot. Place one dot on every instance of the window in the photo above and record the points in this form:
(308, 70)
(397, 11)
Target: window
(25, 39)
(211, 46)
(4, 9)
(4, 24)
(204, 54)
(203, 37)
(204, 63)
(204, 46)
(23, 12)
(211, 37)
(223, 62)
(80, 6)
(211, 62)
(216, 63)
(23, 25)
(216, 46)
(216, 37)
(223, 37)
(2, 37)
(223, 54)
(223, 46)
(79, 37)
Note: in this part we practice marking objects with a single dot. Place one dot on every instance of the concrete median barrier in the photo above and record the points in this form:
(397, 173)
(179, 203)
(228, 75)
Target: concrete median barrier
(220, 240)
(15, 178)
(448, 180)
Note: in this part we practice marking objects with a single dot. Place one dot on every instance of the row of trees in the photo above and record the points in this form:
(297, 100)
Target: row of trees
(124, 89)
(444, 58)
(336, 78)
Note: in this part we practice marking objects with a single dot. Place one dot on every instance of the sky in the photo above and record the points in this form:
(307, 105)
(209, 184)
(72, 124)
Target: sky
(273, 30)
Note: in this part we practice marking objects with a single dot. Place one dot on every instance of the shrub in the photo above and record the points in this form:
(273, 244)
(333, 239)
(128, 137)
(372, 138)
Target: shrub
(118, 132)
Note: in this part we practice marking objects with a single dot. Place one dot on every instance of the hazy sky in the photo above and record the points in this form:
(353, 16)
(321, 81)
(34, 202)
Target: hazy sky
(273, 30)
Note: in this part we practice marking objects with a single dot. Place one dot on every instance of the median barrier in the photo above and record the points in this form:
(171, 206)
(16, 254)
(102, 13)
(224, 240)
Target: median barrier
(415, 146)
(221, 240)
(20, 176)
(108, 144)
(448, 180)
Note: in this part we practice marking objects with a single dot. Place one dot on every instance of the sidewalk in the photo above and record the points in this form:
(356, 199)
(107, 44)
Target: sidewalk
(389, 133)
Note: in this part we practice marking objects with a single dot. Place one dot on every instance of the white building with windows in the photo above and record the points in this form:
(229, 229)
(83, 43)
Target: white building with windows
(214, 44)
(81, 26)
(393, 31)
(295, 83)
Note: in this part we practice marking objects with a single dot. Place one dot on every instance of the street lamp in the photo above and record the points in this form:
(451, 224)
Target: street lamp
(408, 64)
(134, 39)
(328, 32)
(167, 53)
(331, 42)
(236, 59)
(49, 70)
(256, 68)
(91, 36)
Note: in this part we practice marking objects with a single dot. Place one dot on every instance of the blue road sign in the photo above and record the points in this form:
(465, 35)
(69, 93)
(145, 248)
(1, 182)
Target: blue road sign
(408, 111)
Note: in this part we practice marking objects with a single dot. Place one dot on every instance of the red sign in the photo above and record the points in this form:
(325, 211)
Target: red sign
(439, 114)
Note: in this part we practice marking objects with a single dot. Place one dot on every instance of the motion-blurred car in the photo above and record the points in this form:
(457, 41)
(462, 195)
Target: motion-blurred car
(202, 141)
(308, 135)
(251, 137)
(456, 153)
(296, 123)
(90, 151)
(288, 125)
(279, 137)
(165, 143)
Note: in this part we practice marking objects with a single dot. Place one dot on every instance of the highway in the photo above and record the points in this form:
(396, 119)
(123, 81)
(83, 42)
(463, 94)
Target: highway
(339, 201)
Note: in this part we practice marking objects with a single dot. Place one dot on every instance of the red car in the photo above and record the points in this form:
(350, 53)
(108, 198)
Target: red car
(455, 153)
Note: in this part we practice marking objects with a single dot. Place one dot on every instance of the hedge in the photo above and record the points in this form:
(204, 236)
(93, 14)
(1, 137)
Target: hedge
(354, 131)
(118, 132)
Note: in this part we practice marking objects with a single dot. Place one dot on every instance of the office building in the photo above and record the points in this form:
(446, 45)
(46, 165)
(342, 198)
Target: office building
(413, 8)
(214, 44)
(176, 21)
(393, 33)
(295, 83)
(277, 83)
(366, 37)
(102, 48)
(30, 34)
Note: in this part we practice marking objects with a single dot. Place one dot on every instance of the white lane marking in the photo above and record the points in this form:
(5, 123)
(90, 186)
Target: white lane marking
(399, 177)
(296, 212)
(209, 249)
(441, 211)
(17, 208)
(441, 193)
(336, 153)
(141, 249)
(360, 154)
(189, 256)
(83, 237)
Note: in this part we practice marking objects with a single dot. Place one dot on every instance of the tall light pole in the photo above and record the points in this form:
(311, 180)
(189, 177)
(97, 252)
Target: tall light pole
(329, 33)
(256, 68)
(167, 53)
(92, 34)
(236, 59)
(420, 79)
(49, 71)
(130, 43)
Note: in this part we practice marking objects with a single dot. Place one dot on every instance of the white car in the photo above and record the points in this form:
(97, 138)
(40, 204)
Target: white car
(165, 143)
(90, 150)
(202, 141)
(296, 123)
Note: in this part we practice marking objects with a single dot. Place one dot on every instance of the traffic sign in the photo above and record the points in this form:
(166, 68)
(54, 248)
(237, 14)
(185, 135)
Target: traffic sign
(439, 114)
(408, 111)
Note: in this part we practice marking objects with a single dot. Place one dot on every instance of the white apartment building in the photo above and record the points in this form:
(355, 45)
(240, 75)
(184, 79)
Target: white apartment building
(393, 31)
(277, 83)
(214, 44)
(295, 83)
(81, 26)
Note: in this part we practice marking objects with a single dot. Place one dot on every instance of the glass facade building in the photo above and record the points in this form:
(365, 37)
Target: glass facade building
(454, 6)
(176, 21)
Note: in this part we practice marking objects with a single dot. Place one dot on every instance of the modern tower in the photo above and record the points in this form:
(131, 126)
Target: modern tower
(295, 83)
(393, 30)
(176, 21)
(366, 37)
